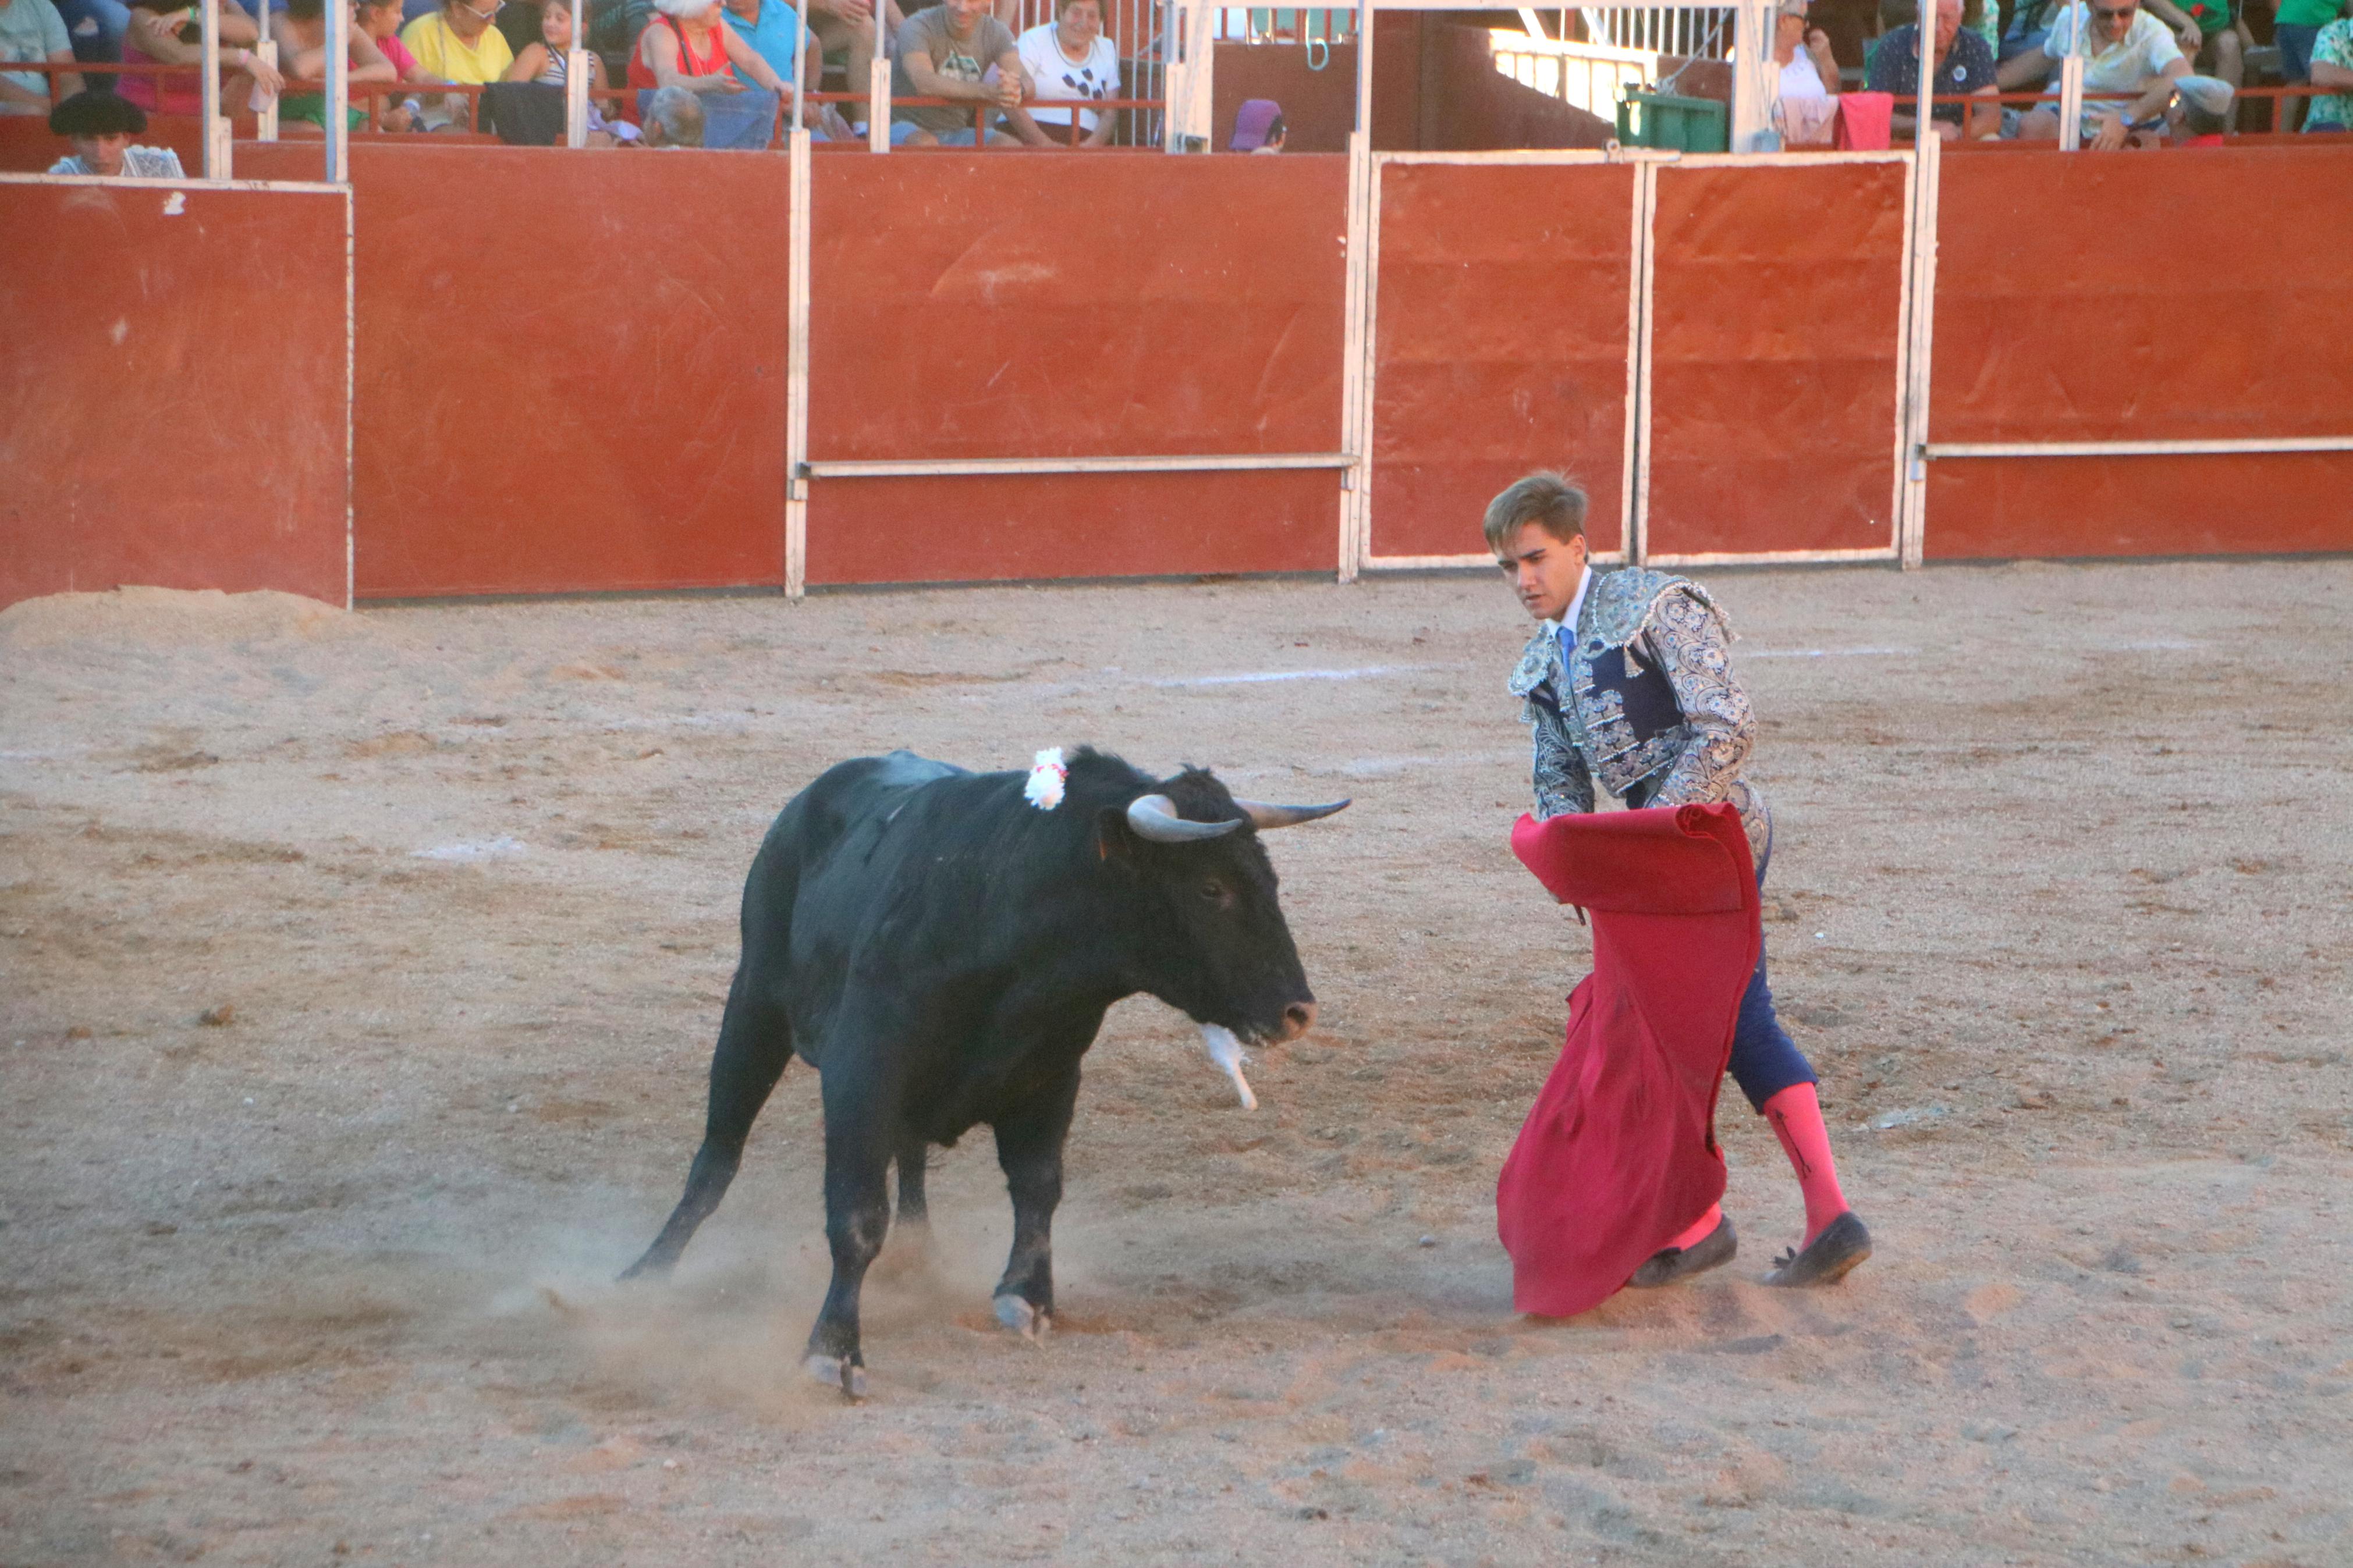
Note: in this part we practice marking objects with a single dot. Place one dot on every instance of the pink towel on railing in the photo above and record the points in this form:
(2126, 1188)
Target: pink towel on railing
(1863, 119)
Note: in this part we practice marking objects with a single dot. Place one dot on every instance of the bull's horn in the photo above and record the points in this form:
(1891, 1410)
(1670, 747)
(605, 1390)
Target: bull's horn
(1264, 816)
(1153, 817)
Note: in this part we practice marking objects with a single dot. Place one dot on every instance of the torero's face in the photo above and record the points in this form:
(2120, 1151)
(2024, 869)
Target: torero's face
(1543, 570)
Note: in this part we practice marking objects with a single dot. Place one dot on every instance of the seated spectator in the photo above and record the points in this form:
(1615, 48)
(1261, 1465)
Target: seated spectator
(687, 47)
(95, 29)
(300, 34)
(380, 19)
(2130, 51)
(550, 61)
(947, 52)
(2332, 66)
(2200, 115)
(31, 32)
(2029, 25)
(456, 46)
(1964, 64)
(1068, 58)
(845, 28)
(774, 30)
(1259, 126)
(673, 118)
(167, 32)
(2295, 28)
(100, 126)
(1806, 79)
(2210, 34)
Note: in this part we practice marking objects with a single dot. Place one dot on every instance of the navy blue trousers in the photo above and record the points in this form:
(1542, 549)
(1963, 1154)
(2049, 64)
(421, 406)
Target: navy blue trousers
(1765, 1060)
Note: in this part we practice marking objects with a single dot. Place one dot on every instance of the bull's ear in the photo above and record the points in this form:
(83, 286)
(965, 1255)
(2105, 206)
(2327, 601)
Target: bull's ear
(1114, 839)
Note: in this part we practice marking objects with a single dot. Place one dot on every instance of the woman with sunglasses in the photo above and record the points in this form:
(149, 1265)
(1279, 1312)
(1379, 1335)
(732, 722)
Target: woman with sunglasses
(457, 45)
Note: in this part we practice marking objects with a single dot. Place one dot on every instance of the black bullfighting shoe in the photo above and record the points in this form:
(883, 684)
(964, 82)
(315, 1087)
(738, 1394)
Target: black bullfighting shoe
(1826, 1259)
(1670, 1264)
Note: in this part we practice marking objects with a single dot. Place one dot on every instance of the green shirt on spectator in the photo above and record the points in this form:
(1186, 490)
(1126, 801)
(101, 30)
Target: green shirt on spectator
(2306, 12)
(2334, 46)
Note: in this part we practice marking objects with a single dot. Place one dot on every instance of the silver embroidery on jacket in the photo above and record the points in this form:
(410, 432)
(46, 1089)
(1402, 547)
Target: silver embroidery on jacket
(1581, 733)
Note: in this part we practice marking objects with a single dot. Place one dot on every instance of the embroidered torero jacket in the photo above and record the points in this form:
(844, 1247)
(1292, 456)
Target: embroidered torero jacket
(1646, 703)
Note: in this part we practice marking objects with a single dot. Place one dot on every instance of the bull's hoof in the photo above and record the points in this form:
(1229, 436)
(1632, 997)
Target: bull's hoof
(1024, 1319)
(839, 1372)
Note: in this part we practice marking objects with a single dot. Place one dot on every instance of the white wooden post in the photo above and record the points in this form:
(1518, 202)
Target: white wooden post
(1754, 77)
(265, 114)
(217, 147)
(338, 45)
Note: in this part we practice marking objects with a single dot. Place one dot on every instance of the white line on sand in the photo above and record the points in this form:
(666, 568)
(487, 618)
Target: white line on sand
(1261, 676)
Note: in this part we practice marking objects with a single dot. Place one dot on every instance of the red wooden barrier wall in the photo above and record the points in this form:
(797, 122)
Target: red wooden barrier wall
(1499, 344)
(571, 370)
(172, 392)
(2103, 298)
(1775, 325)
(979, 305)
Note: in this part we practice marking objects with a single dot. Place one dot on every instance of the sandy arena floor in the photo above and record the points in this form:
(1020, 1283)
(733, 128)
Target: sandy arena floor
(2061, 898)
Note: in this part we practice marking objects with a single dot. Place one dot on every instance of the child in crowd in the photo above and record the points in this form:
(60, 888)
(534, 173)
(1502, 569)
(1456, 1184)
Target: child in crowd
(380, 20)
(549, 61)
(100, 126)
(300, 34)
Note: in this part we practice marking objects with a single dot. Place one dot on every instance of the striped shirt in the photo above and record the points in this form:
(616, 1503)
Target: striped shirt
(138, 164)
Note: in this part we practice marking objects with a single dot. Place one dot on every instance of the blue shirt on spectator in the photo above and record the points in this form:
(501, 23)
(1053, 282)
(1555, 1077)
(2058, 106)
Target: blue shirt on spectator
(1896, 68)
(772, 37)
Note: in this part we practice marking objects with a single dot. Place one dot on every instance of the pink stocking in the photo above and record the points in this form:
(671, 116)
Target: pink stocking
(1797, 1118)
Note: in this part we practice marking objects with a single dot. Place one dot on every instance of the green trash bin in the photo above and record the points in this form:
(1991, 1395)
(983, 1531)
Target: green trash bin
(1668, 121)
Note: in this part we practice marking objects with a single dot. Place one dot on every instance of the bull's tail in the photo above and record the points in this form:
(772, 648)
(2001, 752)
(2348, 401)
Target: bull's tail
(755, 1043)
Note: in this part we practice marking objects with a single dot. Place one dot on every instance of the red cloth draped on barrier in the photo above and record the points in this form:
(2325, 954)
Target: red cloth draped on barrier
(1619, 1153)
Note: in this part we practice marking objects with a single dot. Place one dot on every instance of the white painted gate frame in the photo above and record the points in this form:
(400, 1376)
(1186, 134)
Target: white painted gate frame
(1914, 329)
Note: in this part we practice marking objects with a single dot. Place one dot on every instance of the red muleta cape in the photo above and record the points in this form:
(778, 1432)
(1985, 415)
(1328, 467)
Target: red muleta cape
(1618, 1154)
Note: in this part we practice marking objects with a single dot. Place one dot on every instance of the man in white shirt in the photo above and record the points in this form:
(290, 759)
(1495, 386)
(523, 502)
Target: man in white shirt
(2125, 50)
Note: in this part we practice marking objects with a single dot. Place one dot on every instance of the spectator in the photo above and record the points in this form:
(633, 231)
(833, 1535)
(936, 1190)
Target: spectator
(166, 32)
(1068, 58)
(2130, 51)
(1806, 87)
(301, 32)
(1259, 126)
(773, 29)
(549, 62)
(2295, 28)
(1964, 64)
(95, 29)
(2200, 116)
(32, 32)
(688, 46)
(2220, 38)
(2332, 66)
(846, 29)
(100, 126)
(947, 52)
(673, 118)
(380, 19)
(456, 46)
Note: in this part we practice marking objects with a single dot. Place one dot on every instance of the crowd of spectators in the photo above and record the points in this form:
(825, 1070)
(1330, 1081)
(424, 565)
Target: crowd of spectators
(736, 56)
(987, 83)
(2182, 65)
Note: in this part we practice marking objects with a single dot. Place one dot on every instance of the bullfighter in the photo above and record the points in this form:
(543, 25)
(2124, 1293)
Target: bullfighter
(1628, 683)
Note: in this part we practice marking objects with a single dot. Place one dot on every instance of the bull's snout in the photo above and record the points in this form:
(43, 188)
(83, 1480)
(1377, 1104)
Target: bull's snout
(1297, 1019)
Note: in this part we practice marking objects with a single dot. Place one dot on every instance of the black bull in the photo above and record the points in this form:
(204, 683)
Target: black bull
(942, 951)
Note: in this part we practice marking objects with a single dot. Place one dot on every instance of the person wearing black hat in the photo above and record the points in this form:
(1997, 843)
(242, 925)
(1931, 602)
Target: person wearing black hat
(101, 127)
